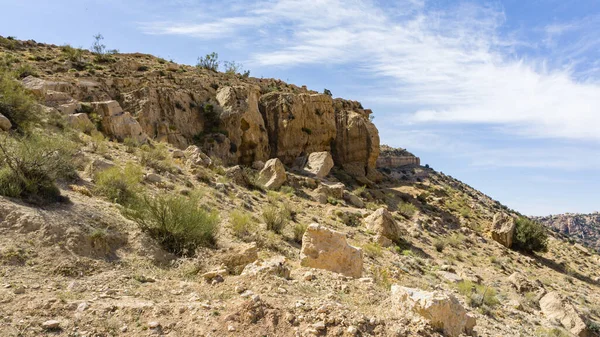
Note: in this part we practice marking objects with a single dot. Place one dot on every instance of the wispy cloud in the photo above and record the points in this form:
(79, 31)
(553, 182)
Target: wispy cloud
(454, 66)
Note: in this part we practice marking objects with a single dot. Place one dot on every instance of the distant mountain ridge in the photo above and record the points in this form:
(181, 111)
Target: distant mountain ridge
(584, 228)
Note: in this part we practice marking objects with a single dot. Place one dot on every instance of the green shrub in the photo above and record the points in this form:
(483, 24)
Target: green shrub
(25, 70)
(242, 224)
(299, 230)
(478, 294)
(72, 54)
(530, 236)
(210, 62)
(31, 164)
(276, 218)
(407, 209)
(439, 244)
(16, 103)
(157, 157)
(372, 249)
(120, 185)
(176, 222)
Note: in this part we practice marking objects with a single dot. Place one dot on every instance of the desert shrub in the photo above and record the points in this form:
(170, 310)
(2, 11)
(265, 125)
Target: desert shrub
(102, 55)
(157, 157)
(31, 164)
(276, 218)
(372, 249)
(287, 190)
(25, 70)
(242, 224)
(72, 54)
(439, 244)
(530, 236)
(232, 67)
(210, 62)
(16, 103)
(120, 185)
(130, 144)
(178, 223)
(299, 230)
(477, 294)
(327, 92)
(407, 209)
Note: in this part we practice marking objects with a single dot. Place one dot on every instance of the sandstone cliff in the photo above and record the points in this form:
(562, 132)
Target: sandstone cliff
(390, 157)
(584, 228)
(237, 119)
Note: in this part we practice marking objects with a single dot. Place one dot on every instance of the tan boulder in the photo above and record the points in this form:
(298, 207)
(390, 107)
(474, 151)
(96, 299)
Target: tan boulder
(520, 283)
(195, 157)
(558, 310)
(5, 124)
(327, 249)
(353, 199)
(244, 123)
(237, 175)
(273, 175)
(328, 189)
(319, 164)
(81, 122)
(117, 123)
(503, 229)
(382, 223)
(236, 259)
(442, 310)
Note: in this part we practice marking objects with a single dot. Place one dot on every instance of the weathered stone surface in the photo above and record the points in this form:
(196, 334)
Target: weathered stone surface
(319, 164)
(99, 165)
(81, 122)
(69, 108)
(195, 157)
(450, 277)
(273, 175)
(244, 123)
(5, 124)
(237, 259)
(237, 175)
(442, 310)
(323, 248)
(382, 222)
(356, 146)
(118, 123)
(556, 309)
(297, 124)
(520, 283)
(275, 266)
(353, 199)
(503, 229)
(328, 189)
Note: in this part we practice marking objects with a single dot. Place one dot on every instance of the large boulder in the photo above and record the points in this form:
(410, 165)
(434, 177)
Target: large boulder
(441, 309)
(5, 124)
(117, 123)
(323, 248)
(520, 283)
(195, 157)
(236, 259)
(319, 164)
(356, 146)
(273, 175)
(503, 229)
(297, 124)
(81, 121)
(558, 310)
(237, 175)
(383, 224)
(328, 189)
(244, 123)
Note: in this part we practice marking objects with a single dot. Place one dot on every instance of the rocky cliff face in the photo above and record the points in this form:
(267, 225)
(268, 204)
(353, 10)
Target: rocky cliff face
(391, 158)
(584, 228)
(240, 120)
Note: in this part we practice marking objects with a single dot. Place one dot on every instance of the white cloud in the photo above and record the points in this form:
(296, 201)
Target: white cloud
(454, 65)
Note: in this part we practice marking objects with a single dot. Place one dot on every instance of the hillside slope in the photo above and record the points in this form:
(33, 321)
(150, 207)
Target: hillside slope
(97, 261)
(583, 228)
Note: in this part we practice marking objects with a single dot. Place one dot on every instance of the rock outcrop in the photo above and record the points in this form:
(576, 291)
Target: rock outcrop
(319, 164)
(273, 175)
(442, 310)
(503, 229)
(5, 124)
(556, 309)
(117, 123)
(327, 249)
(383, 224)
(390, 157)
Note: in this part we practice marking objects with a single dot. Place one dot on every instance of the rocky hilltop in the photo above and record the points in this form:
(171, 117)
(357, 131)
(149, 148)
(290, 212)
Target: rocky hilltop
(583, 228)
(141, 197)
(237, 119)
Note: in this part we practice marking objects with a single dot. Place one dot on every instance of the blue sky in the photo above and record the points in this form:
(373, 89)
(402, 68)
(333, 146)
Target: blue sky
(503, 95)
